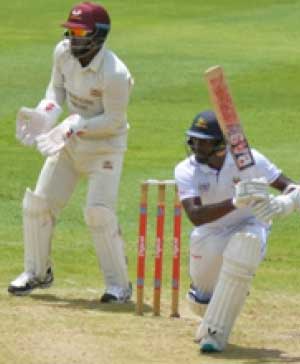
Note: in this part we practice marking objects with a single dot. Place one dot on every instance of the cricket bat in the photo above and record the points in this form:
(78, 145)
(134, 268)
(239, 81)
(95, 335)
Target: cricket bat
(228, 118)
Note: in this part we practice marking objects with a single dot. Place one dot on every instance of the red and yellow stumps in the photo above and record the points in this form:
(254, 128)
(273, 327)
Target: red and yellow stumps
(159, 247)
(160, 222)
(141, 256)
(176, 256)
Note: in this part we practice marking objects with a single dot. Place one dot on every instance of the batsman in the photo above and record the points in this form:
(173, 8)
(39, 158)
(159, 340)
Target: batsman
(95, 85)
(231, 211)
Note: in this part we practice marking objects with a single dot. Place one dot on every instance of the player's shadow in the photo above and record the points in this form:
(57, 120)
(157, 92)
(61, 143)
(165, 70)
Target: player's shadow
(91, 304)
(253, 355)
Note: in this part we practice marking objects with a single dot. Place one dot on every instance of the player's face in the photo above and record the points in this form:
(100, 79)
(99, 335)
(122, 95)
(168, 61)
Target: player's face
(202, 148)
(81, 41)
(205, 152)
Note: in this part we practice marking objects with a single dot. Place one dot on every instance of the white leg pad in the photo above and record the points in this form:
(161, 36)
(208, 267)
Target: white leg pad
(109, 245)
(38, 226)
(240, 261)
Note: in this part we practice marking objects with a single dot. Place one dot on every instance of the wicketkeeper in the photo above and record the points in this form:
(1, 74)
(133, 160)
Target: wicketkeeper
(231, 211)
(95, 85)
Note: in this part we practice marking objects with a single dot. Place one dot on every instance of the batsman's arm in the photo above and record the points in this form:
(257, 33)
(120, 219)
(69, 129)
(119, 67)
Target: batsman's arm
(282, 183)
(200, 214)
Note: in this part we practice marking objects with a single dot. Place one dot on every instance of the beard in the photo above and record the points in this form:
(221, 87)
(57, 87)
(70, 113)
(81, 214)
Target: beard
(210, 158)
(201, 158)
(79, 52)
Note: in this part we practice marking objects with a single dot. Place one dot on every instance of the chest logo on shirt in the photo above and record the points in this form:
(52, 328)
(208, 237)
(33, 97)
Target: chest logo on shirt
(204, 187)
(95, 92)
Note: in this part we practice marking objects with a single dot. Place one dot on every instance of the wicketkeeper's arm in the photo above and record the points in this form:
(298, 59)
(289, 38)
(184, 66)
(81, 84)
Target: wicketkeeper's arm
(56, 89)
(32, 122)
(115, 102)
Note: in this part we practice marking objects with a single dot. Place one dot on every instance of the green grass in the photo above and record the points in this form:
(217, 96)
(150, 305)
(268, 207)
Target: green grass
(167, 45)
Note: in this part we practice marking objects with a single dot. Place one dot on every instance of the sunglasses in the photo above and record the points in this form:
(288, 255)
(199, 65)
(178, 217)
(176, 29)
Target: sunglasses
(78, 32)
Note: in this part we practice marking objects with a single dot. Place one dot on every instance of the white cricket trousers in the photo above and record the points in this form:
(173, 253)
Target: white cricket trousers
(206, 251)
(61, 173)
(56, 184)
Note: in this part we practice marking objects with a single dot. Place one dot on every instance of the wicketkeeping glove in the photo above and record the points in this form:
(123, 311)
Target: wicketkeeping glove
(56, 139)
(52, 142)
(249, 191)
(77, 125)
(32, 122)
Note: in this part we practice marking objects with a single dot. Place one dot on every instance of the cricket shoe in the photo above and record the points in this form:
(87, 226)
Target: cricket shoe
(197, 301)
(210, 344)
(26, 282)
(117, 295)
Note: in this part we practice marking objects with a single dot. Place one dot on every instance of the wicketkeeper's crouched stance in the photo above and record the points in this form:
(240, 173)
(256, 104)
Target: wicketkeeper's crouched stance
(232, 221)
(91, 142)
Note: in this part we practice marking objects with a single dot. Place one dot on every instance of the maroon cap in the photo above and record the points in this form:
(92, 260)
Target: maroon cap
(87, 15)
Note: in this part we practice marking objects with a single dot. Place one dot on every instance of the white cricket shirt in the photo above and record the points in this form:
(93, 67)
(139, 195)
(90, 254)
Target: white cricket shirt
(98, 92)
(212, 186)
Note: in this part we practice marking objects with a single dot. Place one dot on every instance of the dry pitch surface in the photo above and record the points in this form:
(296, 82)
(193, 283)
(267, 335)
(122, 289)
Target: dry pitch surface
(70, 326)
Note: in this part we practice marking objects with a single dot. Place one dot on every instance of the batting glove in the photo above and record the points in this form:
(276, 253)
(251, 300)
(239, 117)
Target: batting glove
(290, 188)
(281, 205)
(250, 191)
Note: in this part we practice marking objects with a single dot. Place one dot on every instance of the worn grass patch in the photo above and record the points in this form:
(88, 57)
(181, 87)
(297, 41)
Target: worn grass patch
(70, 326)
